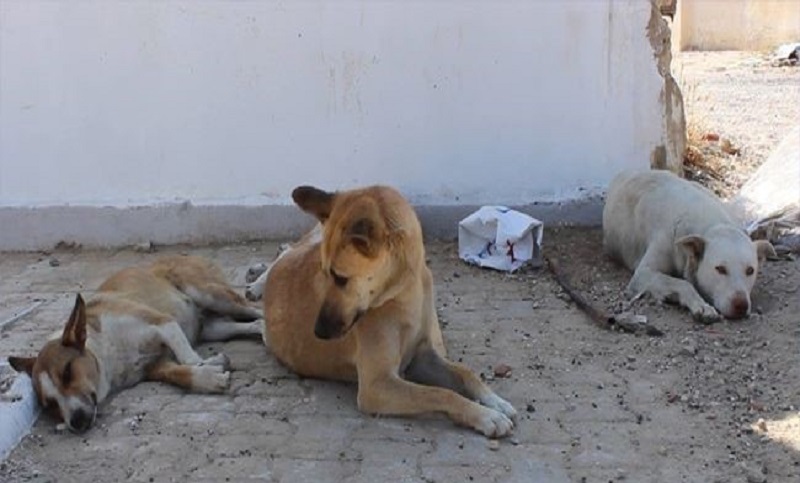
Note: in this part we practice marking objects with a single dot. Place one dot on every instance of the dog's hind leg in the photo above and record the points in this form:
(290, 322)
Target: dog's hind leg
(222, 328)
(223, 300)
(172, 336)
(429, 368)
(209, 378)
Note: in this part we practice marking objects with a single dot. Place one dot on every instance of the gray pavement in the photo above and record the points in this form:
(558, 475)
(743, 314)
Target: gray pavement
(593, 404)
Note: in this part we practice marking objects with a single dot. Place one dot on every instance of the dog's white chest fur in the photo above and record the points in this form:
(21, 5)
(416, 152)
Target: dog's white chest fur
(126, 347)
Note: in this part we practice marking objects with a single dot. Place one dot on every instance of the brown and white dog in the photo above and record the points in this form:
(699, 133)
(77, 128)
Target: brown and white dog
(353, 300)
(140, 325)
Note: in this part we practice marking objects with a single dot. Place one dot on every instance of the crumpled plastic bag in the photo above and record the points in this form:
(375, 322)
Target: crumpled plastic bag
(500, 238)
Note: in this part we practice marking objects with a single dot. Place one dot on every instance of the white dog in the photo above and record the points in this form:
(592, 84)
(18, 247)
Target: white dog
(682, 244)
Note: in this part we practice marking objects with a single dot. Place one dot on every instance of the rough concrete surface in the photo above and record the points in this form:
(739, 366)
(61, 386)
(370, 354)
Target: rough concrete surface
(594, 405)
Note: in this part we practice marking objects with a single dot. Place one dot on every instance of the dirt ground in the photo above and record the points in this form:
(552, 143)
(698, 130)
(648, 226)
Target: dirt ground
(716, 403)
(739, 106)
(594, 405)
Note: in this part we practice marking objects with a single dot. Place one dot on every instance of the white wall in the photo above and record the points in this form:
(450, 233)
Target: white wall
(235, 103)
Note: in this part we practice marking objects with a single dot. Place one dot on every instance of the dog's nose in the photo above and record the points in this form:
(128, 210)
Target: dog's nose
(740, 307)
(324, 329)
(329, 323)
(80, 421)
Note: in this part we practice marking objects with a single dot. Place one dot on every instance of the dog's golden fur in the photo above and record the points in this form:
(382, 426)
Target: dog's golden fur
(353, 300)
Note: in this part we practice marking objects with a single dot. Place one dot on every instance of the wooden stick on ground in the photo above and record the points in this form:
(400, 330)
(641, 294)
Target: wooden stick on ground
(598, 316)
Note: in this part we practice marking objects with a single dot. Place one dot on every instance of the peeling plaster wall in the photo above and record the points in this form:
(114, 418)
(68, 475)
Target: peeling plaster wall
(670, 154)
(192, 121)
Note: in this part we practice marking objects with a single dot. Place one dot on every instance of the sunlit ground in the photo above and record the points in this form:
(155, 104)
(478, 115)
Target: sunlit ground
(786, 430)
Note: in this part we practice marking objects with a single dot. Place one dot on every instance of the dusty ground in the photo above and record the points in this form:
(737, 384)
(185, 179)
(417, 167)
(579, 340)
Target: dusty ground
(744, 98)
(595, 405)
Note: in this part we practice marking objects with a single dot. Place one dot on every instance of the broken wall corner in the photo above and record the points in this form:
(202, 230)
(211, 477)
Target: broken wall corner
(668, 155)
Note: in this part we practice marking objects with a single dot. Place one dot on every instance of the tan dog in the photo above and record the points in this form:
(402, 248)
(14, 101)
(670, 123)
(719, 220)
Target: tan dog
(140, 325)
(682, 243)
(353, 301)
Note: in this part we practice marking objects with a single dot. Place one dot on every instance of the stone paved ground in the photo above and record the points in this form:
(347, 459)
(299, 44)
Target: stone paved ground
(594, 405)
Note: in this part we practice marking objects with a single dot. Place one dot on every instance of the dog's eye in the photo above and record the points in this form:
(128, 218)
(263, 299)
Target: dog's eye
(66, 377)
(750, 271)
(338, 279)
(721, 270)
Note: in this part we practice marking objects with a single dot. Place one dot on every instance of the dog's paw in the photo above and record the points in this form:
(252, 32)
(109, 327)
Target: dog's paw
(254, 272)
(218, 360)
(211, 379)
(497, 403)
(705, 314)
(493, 424)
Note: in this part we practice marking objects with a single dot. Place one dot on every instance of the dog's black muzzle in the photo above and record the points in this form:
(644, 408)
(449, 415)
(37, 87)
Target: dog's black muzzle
(330, 324)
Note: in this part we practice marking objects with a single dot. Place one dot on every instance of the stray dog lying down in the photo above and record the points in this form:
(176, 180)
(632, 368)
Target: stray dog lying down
(682, 244)
(353, 300)
(140, 325)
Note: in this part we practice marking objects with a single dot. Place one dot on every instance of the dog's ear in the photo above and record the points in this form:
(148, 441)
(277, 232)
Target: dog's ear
(314, 201)
(22, 364)
(365, 235)
(75, 331)
(693, 245)
(765, 250)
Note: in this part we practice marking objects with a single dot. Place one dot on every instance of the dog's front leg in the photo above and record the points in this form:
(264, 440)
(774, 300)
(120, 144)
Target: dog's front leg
(382, 391)
(391, 395)
(671, 289)
(431, 368)
(208, 378)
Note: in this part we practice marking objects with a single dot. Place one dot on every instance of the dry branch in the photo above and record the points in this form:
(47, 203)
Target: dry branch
(598, 316)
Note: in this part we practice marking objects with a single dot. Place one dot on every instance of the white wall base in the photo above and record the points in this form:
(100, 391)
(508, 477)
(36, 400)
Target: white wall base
(42, 228)
(17, 417)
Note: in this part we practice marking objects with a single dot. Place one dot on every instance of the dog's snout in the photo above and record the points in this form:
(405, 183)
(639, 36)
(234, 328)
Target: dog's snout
(329, 324)
(740, 307)
(80, 421)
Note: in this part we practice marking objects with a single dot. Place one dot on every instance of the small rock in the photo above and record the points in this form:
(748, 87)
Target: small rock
(494, 445)
(54, 262)
(762, 425)
(530, 408)
(753, 475)
(728, 148)
(502, 370)
(144, 247)
(689, 348)
(514, 441)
